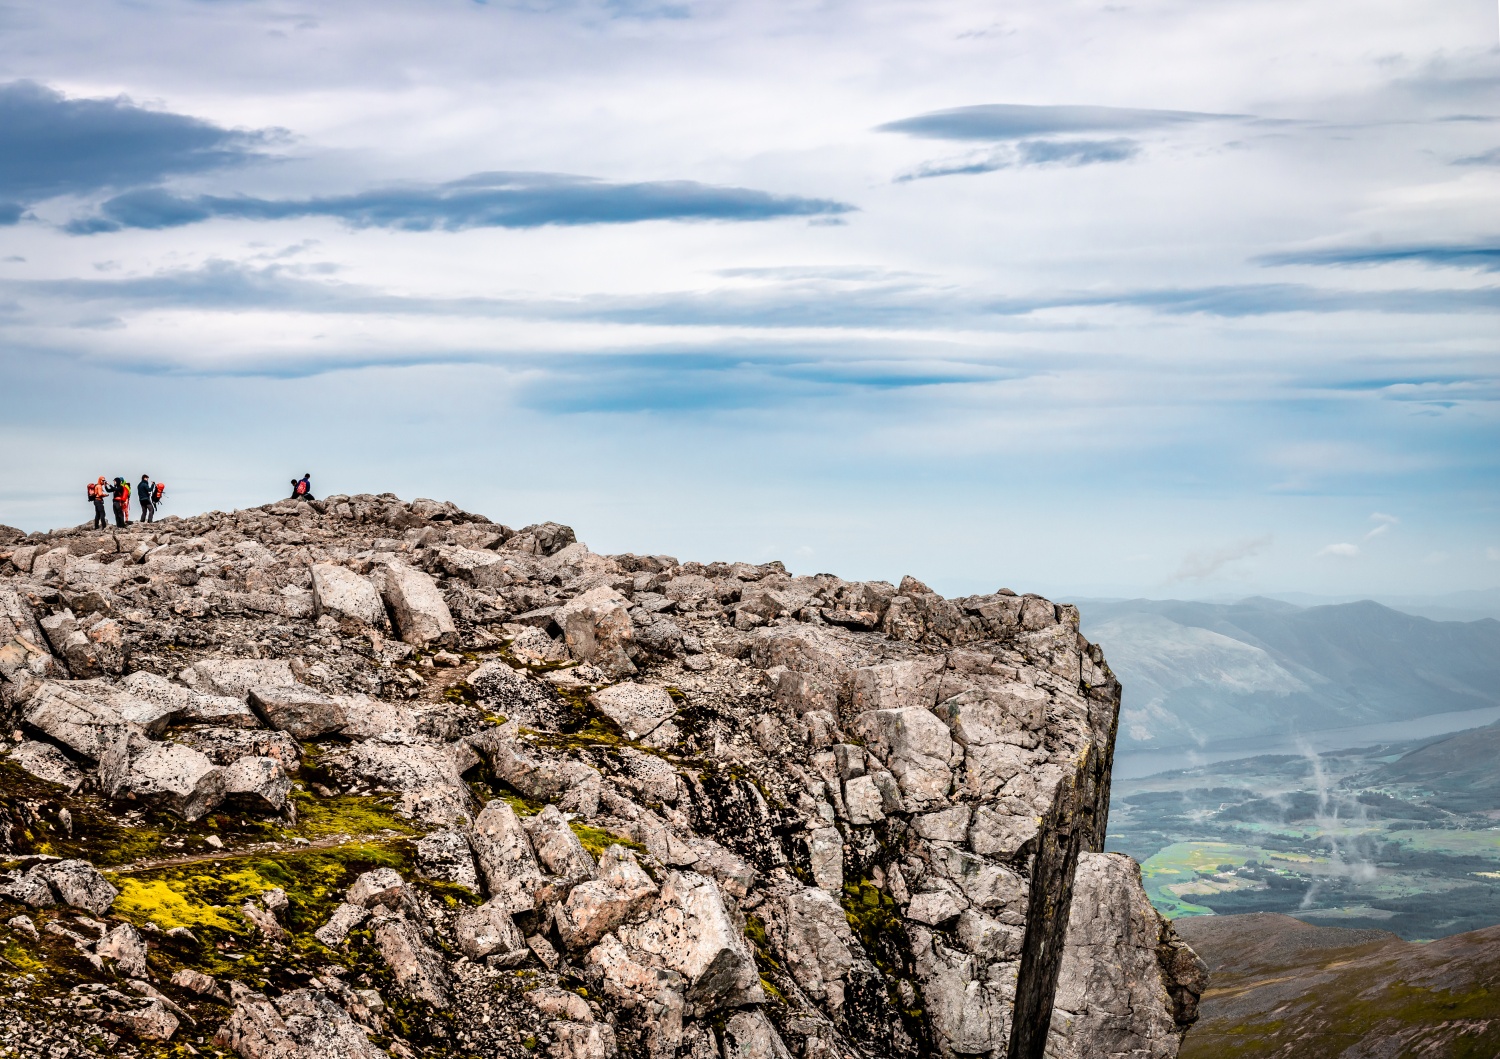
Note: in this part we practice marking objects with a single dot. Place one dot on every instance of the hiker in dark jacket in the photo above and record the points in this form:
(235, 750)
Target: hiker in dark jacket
(148, 504)
(302, 488)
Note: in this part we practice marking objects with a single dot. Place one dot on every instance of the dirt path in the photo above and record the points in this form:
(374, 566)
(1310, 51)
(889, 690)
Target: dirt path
(258, 849)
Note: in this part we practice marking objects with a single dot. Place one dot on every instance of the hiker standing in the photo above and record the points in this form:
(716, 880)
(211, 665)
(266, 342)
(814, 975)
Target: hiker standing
(97, 492)
(302, 488)
(120, 491)
(148, 506)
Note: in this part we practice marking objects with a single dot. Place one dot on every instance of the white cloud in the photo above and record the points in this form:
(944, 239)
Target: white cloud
(1199, 566)
(1492, 554)
(1384, 524)
(1344, 550)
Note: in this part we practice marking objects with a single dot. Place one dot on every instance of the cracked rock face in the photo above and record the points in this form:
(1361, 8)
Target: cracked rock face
(470, 791)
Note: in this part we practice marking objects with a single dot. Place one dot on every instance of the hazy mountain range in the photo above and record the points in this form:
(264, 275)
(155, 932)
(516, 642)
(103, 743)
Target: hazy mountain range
(1196, 674)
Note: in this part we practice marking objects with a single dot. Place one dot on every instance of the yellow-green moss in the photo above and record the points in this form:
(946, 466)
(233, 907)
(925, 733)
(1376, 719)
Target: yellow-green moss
(596, 840)
(523, 805)
(346, 814)
(209, 894)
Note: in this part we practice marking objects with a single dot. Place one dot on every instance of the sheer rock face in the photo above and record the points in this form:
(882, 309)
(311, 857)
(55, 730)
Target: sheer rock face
(758, 814)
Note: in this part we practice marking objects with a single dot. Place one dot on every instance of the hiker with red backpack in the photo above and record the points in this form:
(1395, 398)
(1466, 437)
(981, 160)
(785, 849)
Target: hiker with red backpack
(147, 499)
(302, 488)
(97, 492)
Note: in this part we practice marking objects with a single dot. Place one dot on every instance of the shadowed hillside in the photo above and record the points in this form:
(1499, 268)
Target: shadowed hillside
(1281, 987)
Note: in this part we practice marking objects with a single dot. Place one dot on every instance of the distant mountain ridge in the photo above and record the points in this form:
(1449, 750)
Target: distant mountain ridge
(1198, 673)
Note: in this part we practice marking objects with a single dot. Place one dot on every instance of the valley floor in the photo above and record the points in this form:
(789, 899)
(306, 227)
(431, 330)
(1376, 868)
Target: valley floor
(1404, 838)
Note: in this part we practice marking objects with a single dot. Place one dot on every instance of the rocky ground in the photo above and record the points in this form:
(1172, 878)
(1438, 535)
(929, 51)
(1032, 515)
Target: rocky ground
(359, 777)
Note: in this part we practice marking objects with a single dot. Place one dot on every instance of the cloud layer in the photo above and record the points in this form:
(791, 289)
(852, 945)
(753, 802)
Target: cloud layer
(51, 145)
(1117, 299)
(484, 200)
(1013, 121)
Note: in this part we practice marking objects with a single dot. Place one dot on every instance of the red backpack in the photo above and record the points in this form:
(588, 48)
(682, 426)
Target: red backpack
(94, 493)
(156, 493)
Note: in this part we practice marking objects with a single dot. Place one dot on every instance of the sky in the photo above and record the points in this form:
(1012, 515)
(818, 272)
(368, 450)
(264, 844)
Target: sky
(1157, 298)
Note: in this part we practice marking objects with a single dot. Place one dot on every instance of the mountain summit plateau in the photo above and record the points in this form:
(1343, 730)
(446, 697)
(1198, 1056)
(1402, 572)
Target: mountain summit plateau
(356, 778)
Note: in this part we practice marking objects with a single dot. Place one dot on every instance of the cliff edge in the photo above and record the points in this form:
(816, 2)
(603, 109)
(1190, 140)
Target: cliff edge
(358, 777)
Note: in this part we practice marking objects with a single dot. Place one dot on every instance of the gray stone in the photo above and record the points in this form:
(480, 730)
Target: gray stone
(69, 643)
(30, 888)
(73, 715)
(344, 919)
(46, 762)
(265, 924)
(1112, 1001)
(814, 940)
(151, 1021)
(489, 931)
(78, 884)
(425, 776)
(237, 677)
(421, 615)
(367, 718)
(638, 709)
(598, 630)
(750, 1035)
(597, 906)
(340, 592)
(125, 946)
(997, 833)
(935, 907)
(968, 1000)
(559, 1003)
(575, 1041)
(381, 886)
(503, 850)
(557, 847)
(299, 711)
(445, 856)
(173, 776)
(199, 983)
(537, 775)
(261, 780)
(825, 850)
(303, 1024)
(225, 746)
(862, 801)
(691, 932)
(918, 750)
(187, 706)
(535, 647)
(419, 971)
(943, 825)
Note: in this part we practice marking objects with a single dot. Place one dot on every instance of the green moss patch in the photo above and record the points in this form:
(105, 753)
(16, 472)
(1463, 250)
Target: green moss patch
(596, 840)
(346, 814)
